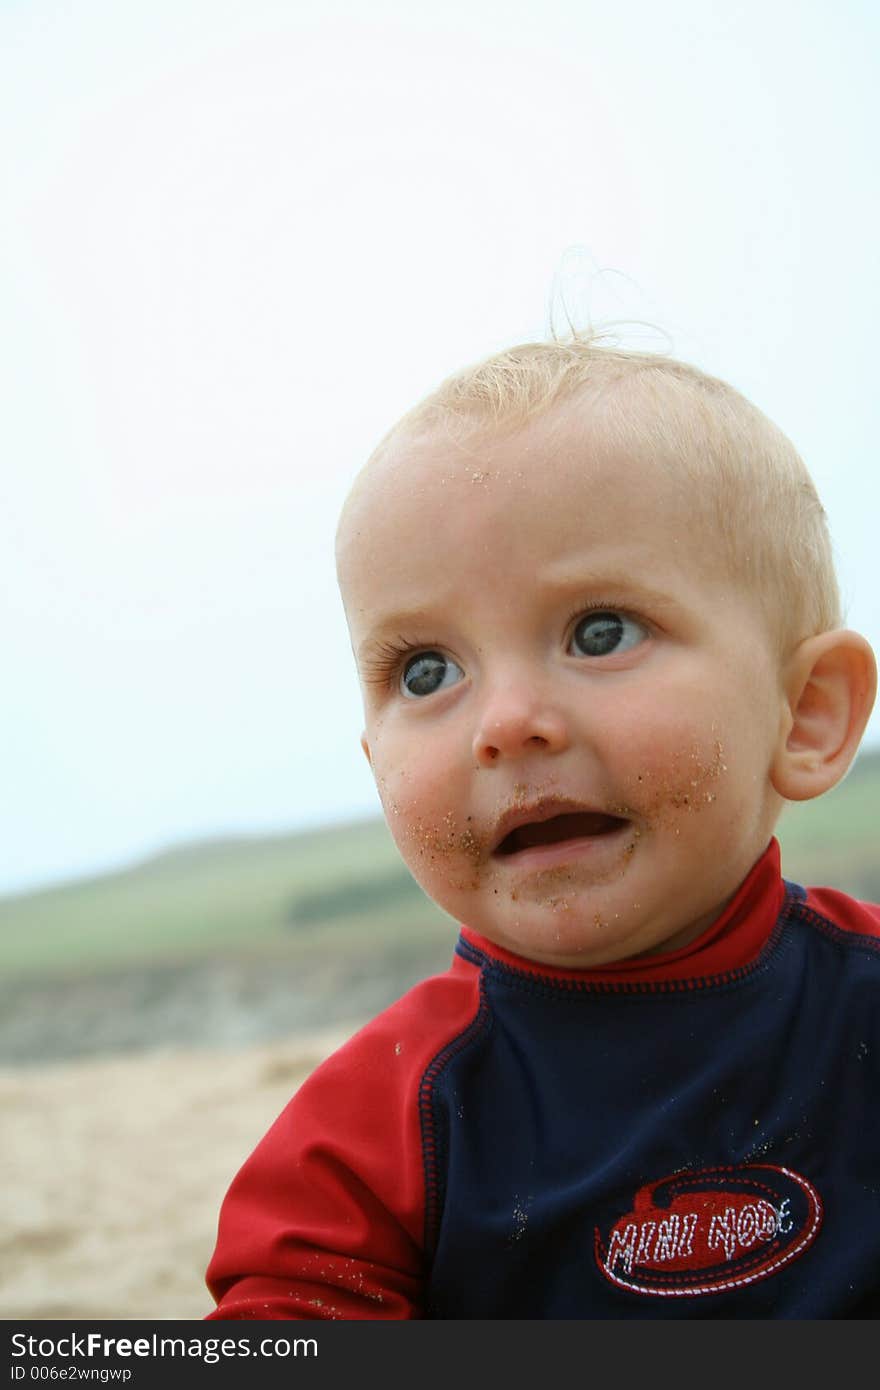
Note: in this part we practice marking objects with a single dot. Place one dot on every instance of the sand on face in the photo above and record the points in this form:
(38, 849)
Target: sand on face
(112, 1173)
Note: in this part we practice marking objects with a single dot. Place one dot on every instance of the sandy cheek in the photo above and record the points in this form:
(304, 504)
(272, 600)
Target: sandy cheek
(666, 793)
(440, 846)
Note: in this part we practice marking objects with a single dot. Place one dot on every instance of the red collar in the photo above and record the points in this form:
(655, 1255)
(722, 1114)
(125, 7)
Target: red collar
(730, 943)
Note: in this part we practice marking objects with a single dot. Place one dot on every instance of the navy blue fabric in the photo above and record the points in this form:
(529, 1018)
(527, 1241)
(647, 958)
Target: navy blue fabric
(562, 1102)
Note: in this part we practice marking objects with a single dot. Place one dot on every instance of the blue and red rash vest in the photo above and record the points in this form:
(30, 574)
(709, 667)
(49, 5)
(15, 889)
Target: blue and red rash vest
(695, 1134)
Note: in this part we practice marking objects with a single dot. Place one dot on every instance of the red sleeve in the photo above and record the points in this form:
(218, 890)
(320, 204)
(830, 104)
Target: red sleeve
(845, 912)
(326, 1217)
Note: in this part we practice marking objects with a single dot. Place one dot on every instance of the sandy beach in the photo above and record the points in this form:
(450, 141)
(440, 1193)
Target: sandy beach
(112, 1172)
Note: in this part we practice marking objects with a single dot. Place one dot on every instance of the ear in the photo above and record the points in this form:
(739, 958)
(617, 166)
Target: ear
(366, 748)
(830, 682)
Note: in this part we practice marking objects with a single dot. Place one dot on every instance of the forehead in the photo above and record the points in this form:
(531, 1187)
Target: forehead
(554, 485)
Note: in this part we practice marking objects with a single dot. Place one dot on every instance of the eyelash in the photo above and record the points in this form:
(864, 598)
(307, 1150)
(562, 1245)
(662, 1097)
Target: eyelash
(605, 606)
(389, 660)
(390, 657)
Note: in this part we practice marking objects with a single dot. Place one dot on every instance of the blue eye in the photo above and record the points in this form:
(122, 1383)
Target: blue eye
(601, 633)
(427, 673)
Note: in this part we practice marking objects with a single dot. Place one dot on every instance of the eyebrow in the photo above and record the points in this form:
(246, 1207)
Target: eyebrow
(571, 580)
(625, 591)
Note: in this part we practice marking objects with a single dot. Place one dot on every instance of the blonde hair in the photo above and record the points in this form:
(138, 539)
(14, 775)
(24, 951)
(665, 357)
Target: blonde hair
(743, 475)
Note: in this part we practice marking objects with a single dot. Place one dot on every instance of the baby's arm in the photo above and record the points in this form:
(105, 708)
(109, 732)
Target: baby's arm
(326, 1217)
(305, 1231)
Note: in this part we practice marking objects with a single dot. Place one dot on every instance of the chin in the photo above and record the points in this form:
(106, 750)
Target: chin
(581, 943)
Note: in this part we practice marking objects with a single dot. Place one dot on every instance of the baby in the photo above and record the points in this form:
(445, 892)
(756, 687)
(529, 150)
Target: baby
(595, 618)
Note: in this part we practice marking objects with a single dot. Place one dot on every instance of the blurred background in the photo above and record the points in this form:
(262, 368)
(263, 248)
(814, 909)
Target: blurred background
(239, 241)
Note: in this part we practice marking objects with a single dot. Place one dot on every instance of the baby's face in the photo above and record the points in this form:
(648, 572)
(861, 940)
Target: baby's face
(570, 710)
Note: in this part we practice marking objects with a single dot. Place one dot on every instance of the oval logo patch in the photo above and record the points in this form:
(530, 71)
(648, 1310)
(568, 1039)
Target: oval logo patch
(708, 1231)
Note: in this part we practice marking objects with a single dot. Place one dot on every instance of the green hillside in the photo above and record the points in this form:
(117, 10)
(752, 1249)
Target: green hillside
(239, 896)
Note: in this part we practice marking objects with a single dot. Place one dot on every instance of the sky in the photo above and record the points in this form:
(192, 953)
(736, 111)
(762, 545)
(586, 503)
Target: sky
(240, 239)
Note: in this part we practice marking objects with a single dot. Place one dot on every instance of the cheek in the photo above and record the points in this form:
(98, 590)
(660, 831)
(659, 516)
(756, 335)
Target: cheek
(407, 779)
(426, 812)
(689, 757)
(673, 765)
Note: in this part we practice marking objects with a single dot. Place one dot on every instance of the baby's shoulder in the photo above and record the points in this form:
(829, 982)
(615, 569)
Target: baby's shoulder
(851, 920)
(396, 1049)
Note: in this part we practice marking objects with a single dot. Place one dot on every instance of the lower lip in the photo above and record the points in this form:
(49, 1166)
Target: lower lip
(585, 847)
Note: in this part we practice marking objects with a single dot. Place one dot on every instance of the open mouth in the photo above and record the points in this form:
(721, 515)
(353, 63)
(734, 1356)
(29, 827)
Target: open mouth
(574, 825)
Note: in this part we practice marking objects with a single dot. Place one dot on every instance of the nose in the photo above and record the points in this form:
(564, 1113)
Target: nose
(516, 721)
